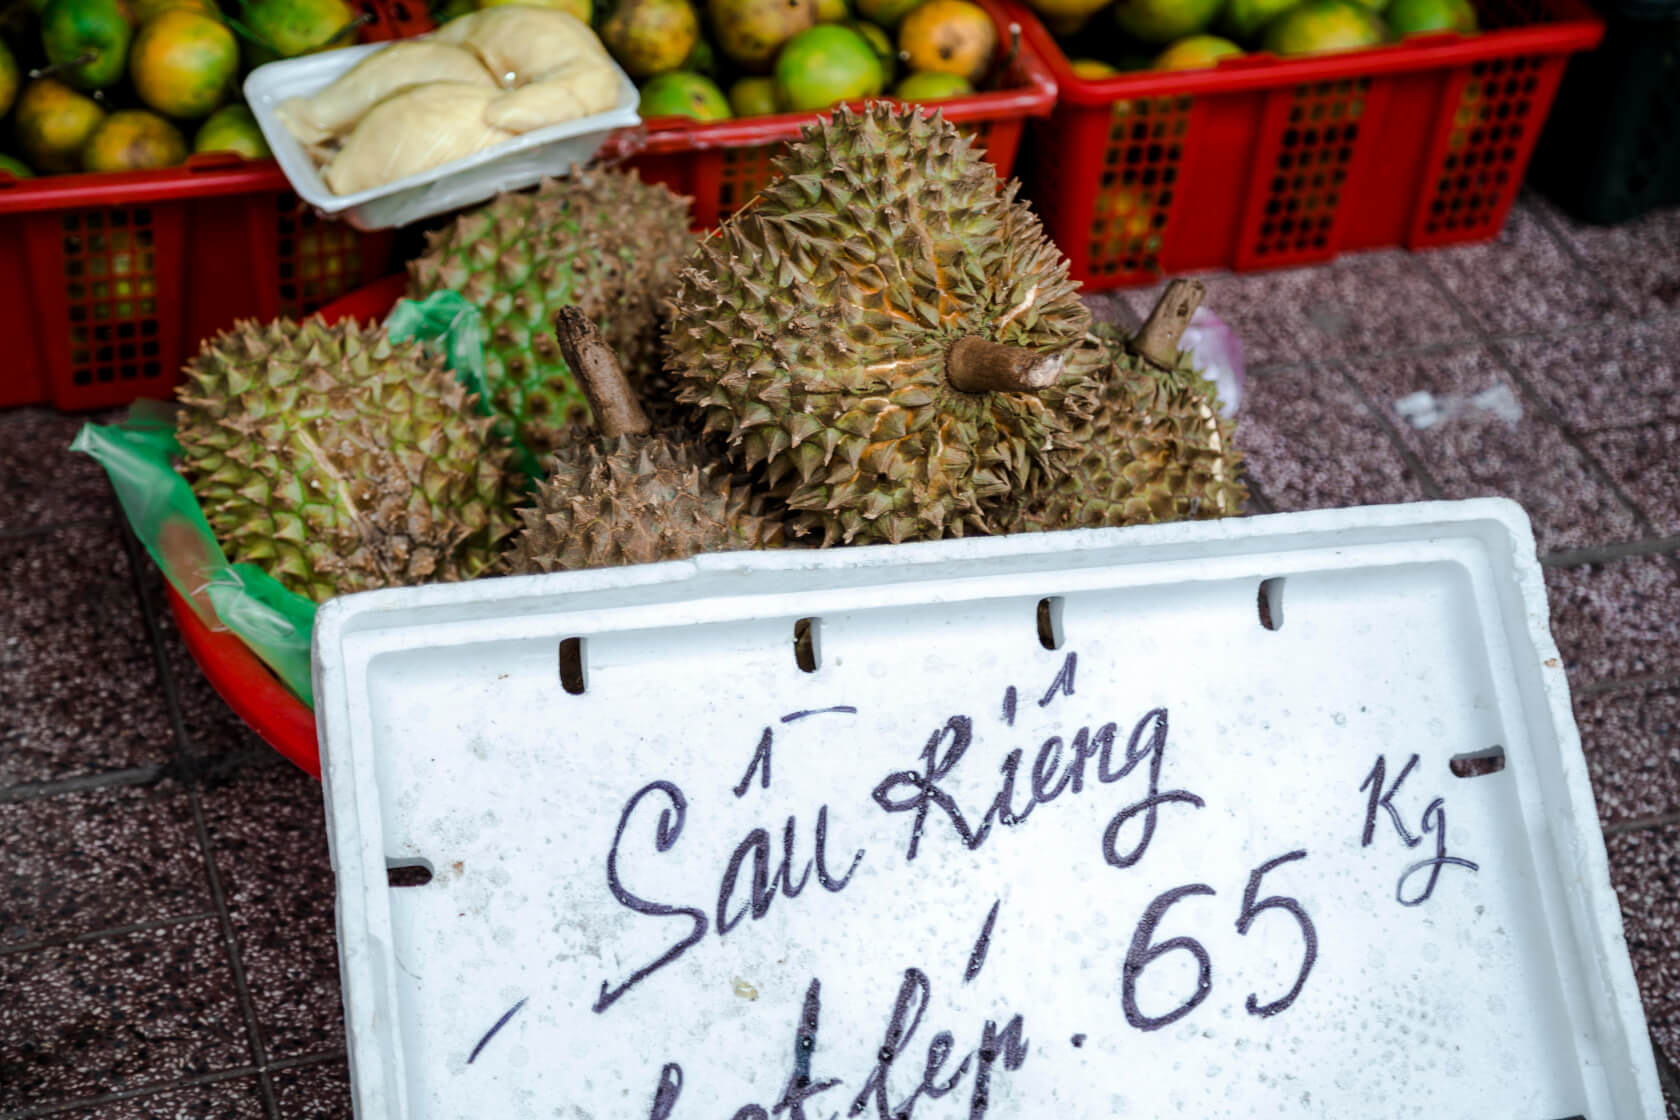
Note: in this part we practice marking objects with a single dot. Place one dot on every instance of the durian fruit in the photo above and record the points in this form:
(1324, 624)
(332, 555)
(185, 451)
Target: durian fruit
(1156, 447)
(886, 332)
(339, 461)
(623, 495)
(600, 240)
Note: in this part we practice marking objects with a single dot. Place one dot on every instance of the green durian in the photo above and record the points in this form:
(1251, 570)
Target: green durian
(603, 241)
(823, 329)
(339, 461)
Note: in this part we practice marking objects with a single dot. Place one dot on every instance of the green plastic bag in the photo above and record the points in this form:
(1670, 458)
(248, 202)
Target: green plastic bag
(138, 455)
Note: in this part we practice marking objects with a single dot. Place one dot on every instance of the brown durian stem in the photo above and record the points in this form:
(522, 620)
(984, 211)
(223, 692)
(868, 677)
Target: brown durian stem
(1157, 340)
(617, 411)
(978, 365)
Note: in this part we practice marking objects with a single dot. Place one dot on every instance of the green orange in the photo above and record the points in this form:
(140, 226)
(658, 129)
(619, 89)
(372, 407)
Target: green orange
(8, 78)
(1415, 17)
(948, 36)
(1196, 52)
(16, 168)
(232, 128)
(86, 41)
(1092, 69)
(931, 85)
(53, 121)
(755, 97)
(133, 140)
(683, 93)
(883, 44)
(288, 28)
(825, 65)
(649, 37)
(1245, 19)
(1323, 27)
(183, 63)
(146, 9)
(1163, 21)
(884, 13)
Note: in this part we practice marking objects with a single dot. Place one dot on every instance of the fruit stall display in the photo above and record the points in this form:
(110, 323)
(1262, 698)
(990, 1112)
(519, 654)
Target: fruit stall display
(136, 195)
(815, 373)
(1251, 134)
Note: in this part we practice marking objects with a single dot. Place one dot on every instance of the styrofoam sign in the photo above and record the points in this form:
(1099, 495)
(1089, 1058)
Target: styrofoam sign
(1278, 817)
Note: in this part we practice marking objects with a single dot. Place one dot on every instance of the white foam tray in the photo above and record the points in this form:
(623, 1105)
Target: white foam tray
(450, 743)
(513, 164)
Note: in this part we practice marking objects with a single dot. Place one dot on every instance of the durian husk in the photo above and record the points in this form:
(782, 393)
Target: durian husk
(812, 331)
(339, 461)
(600, 240)
(1154, 449)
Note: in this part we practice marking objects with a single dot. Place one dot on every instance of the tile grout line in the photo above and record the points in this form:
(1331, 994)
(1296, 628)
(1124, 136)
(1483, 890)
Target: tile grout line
(1642, 824)
(218, 893)
(81, 783)
(1562, 241)
(1431, 488)
(1626, 684)
(24, 532)
(1579, 557)
(1542, 406)
(100, 934)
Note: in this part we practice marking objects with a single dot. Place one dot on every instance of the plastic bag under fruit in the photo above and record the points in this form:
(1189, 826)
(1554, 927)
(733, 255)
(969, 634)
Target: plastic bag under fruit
(139, 456)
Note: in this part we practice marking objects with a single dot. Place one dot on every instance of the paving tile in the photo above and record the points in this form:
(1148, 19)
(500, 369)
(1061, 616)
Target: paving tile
(42, 482)
(1362, 303)
(268, 833)
(1617, 375)
(81, 685)
(1477, 435)
(320, 1092)
(1522, 281)
(1645, 867)
(81, 862)
(1632, 742)
(134, 1009)
(1639, 260)
(1616, 619)
(1310, 442)
(1645, 462)
(238, 1098)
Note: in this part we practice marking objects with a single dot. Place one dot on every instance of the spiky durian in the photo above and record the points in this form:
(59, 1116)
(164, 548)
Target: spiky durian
(339, 461)
(619, 494)
(603, 241)
(1156, 447)
(884, 331)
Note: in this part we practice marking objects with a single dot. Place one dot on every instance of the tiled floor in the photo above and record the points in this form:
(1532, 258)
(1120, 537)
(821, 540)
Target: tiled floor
(166, 903)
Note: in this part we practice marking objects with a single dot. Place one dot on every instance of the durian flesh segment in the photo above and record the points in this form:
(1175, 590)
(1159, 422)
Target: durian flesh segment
(519, 43)
(412, 131)
(582, 87)
(336, 109)
(813, 329)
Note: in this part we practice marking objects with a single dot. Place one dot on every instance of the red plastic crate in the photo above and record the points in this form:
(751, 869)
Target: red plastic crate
(1263, 163)
(117, 278)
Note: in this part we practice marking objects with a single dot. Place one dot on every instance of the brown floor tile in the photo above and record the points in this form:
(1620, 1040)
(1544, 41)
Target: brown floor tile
(1640, 260)
(1309, 442)
(1363, 303)
(134, 1009)
(81, 862)
(1617, 619)
(1632, 742)
(268, 832)
(82, 688)
(1486, 439)
(1522, 281)
(1614, 376)
(1645, 866)
(1645, 462)
(314, 1092)
(42, 482)
(238, 1098)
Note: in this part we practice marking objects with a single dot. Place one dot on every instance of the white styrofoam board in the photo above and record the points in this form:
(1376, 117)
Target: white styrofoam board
(447, 739)
(510, 165)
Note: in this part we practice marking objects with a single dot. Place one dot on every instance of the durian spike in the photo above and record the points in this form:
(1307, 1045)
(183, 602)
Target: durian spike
(617, 411)
(978, 365)
(1157, 340)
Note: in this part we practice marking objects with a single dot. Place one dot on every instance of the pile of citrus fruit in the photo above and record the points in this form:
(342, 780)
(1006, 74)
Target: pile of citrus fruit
(719, 59)
(1107, 37)
(133, 85)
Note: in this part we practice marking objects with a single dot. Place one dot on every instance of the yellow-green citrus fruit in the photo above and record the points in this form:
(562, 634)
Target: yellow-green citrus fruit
(8, 78)
(53, 121)
(950, 37)
(1162, 21)
(1245, 19)
(931, 85)
(755, 97)
(833, 11)
(1322, 27)
(1415, 17)
(750, 32)
(133, 140)
(884, 13)
(1196, 52)
(146, 9)
(16, 168)
(232, 128)
(183, 63)
(293, 27)
(825, 65)
(649, 37)
(1092, 69)
(94, 31)
(882, 44)
(682, 93)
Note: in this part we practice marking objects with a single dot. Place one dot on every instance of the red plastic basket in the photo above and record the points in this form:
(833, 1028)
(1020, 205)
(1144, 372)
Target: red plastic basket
(1262, 163)
(117, 278)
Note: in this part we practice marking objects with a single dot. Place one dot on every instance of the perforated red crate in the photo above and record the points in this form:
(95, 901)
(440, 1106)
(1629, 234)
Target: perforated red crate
(113, 280)
(1262, 163)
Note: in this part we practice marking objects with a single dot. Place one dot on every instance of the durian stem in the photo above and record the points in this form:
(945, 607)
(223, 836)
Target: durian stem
(1157, 340)
(617, 411)
(978, 365)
